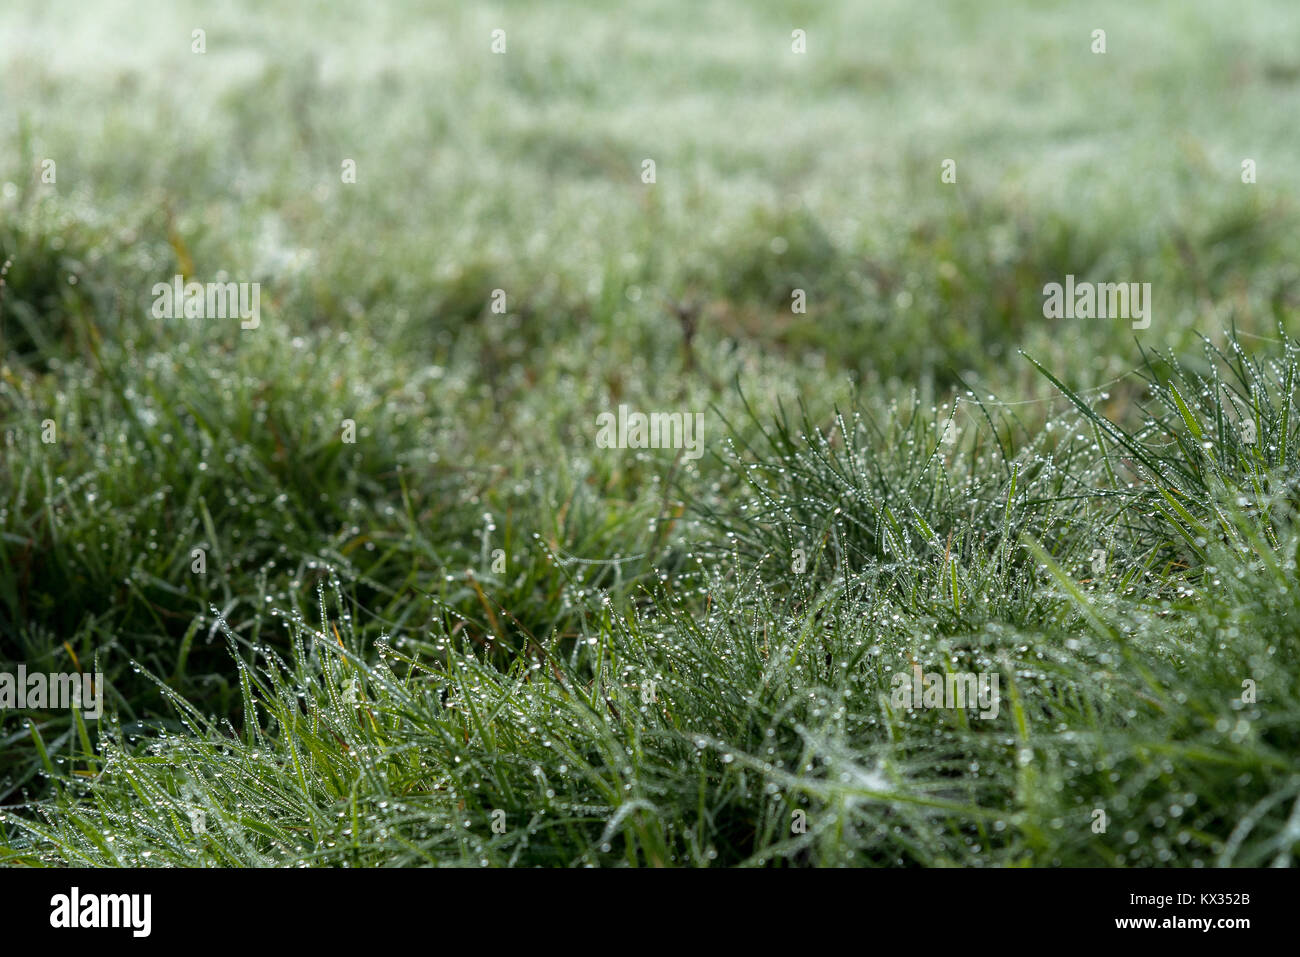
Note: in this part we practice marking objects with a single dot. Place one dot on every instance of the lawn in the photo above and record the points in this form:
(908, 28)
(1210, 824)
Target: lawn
(369, 577)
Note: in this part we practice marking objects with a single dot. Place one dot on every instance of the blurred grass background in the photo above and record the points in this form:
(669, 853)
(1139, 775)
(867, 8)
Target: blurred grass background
(775, 171)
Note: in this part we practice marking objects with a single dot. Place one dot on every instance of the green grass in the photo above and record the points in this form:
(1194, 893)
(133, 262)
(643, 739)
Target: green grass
(678, 662)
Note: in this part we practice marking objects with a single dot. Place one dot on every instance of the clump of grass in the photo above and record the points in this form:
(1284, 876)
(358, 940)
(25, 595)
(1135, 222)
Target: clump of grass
(53, 286)
(1215, 449)
(750, 719)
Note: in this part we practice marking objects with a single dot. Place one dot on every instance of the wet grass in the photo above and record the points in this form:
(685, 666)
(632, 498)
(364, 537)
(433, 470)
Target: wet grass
(366, 592)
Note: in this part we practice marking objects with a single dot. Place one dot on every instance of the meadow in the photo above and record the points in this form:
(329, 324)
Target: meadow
(368, 588)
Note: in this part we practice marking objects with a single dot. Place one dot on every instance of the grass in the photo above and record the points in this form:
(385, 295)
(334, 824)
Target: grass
(470, 637)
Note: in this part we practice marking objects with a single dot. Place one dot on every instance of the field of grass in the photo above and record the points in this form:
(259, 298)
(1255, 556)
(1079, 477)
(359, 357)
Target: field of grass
(365, 589)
